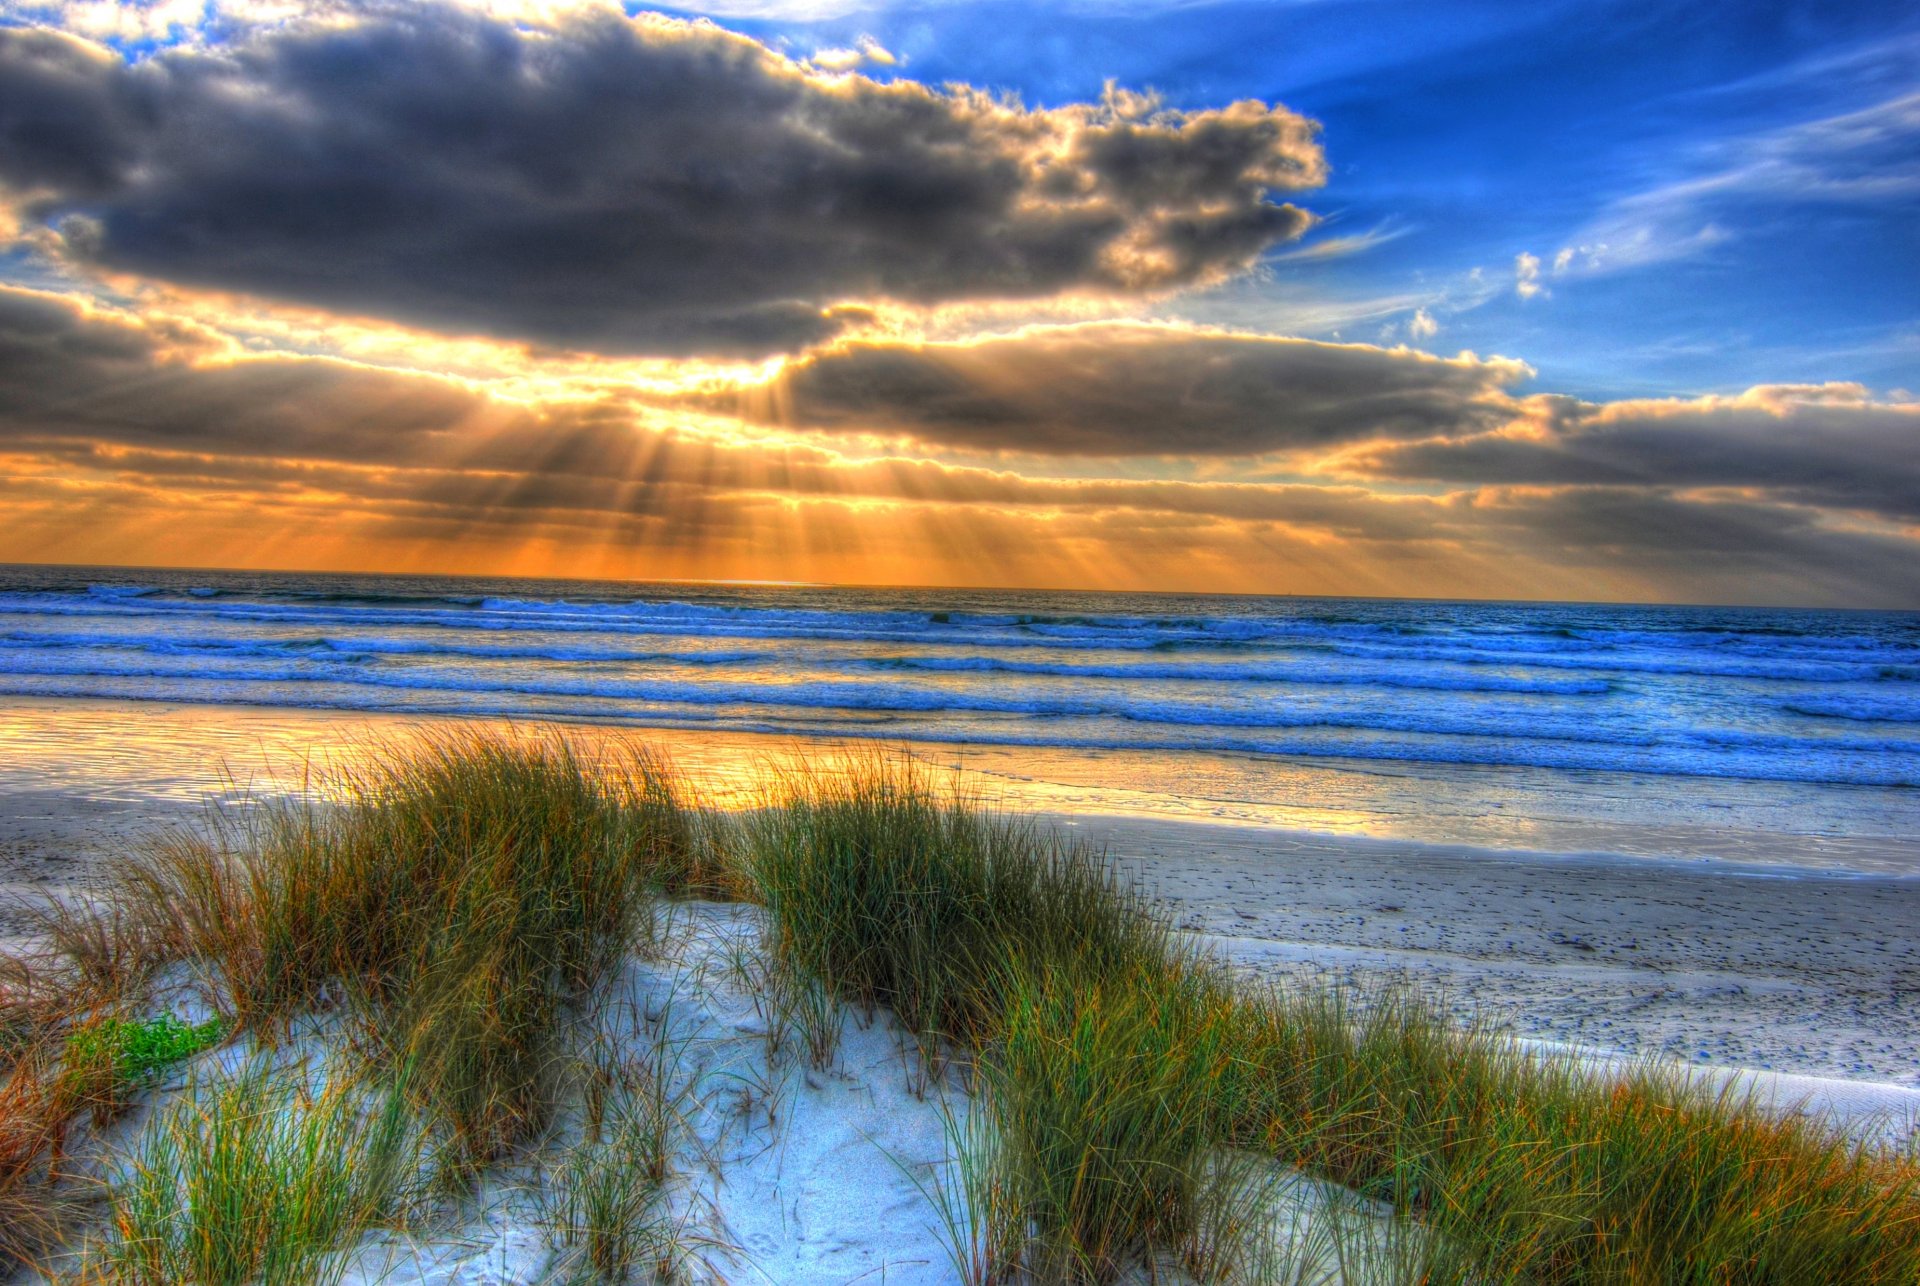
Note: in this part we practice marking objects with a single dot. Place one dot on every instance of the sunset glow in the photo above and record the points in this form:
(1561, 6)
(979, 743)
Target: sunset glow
(569, 290)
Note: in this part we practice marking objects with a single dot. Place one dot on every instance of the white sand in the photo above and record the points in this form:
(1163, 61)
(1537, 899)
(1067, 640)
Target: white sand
(786, 1174)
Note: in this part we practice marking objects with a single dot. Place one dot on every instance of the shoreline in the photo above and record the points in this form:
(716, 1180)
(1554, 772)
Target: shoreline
(1706, 960)
(172, 752)
(1688, 962)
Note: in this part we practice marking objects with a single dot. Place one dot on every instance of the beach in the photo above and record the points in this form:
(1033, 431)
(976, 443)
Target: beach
(1792, 986)
(1808, 968)
(1806, 971)
(1151, 644)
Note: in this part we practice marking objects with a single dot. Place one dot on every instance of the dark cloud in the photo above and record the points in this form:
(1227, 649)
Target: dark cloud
(70, 122)
(1113, 389)
(1826, 446)
(162, 402)
(618, 185)
(68, 374)
(1593, 540)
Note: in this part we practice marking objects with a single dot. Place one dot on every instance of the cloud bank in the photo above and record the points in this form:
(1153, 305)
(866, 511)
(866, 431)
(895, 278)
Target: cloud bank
(1128, 389)
(410, 286)
(617, 185)
(69, 374)
(1828, 446)
(121, 432)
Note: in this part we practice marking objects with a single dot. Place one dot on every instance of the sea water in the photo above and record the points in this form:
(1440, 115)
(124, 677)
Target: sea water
(1657, 730)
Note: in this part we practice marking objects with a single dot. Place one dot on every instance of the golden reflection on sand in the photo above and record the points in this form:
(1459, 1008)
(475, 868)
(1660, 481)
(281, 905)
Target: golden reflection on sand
(178, 756)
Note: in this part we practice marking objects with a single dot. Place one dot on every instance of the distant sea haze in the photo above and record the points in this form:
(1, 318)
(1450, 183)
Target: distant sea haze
(1676, 692)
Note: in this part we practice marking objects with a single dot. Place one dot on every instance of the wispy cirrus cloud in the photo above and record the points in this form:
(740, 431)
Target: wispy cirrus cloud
(1343, 245)
(1865, 156)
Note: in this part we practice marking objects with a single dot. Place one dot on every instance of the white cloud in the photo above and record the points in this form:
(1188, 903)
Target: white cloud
(1423, 326)
(1341, 247)
(866, 52)
(1526, 276)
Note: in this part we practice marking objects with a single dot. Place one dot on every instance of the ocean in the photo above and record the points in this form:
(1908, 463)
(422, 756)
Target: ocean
(1664, 730)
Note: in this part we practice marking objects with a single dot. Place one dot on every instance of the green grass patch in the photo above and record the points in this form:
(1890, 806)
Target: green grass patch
(136, 1051)
(105, 1059)
(259, 1179)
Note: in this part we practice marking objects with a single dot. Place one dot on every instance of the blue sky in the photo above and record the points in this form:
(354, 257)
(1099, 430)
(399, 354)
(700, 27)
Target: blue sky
(1461, 135)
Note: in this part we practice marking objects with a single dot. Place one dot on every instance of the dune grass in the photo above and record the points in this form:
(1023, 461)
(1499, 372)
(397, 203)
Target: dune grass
(1107, 1096)
(463, 899)
(1116, 1067)
(447, 842)
(35, 1209)
(258, 1178)
(462, 894)
(896, 889)
(1530, 1169)
(603, 1204)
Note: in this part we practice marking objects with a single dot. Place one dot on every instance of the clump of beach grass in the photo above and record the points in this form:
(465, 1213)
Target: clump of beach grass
(1107, 1095)
(603, 1206)
(35, 1208)
(411, 847)
(462, 893)
(896, 890)
(1525, 1167)
(98, 949)
(259, 1178)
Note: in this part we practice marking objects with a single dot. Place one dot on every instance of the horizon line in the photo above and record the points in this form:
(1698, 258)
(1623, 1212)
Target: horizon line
(751, 583)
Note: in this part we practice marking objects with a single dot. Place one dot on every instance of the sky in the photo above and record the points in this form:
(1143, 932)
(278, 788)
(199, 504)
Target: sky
(1565, 300)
